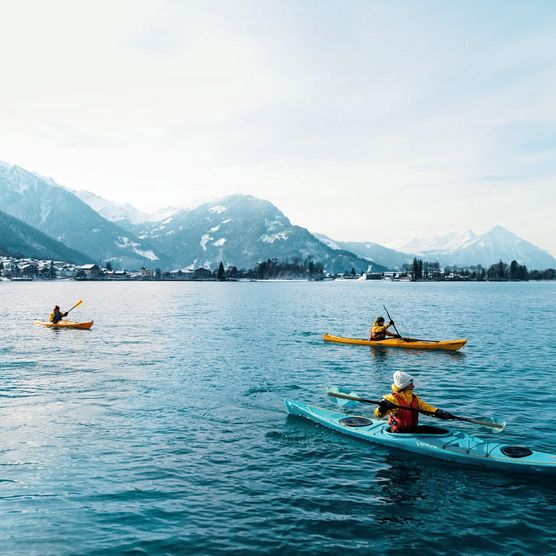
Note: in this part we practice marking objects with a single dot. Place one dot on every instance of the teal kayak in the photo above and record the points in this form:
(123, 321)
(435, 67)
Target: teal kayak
(436, 442)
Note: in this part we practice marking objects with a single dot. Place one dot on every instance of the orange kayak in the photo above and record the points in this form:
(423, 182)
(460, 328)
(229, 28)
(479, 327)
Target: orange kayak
(405, 343)
(66, 324)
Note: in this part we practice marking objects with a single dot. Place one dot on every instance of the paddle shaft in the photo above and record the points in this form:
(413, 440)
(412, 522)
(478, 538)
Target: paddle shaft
(76, 305)
(394, 406)
(390, 318)
(377, 402)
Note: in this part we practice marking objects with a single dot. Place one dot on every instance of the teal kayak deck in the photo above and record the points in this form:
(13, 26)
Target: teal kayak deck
(452, 446)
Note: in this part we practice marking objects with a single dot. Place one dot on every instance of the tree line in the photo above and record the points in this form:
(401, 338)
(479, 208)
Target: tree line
(500, 271)
(273, 269)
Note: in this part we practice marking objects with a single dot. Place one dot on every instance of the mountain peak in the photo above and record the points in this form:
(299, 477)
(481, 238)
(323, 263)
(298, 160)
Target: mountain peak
(500, 231)
(467, 249)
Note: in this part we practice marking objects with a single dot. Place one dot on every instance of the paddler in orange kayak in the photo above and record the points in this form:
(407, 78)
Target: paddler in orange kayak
(379, 330)
(401, 419)
(56, 316)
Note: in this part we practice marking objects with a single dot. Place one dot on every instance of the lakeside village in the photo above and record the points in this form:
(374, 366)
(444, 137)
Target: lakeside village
(25, 269)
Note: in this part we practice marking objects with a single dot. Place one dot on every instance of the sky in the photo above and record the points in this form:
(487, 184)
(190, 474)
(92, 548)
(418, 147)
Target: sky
(364, 120)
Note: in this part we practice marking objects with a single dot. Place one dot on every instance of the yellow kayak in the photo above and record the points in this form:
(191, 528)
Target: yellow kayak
(66, 324)
(405, 343)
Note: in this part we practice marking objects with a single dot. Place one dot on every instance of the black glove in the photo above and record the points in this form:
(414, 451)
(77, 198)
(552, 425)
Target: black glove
(391, 323)
(65, 315)
(443, 414)
(384, 406)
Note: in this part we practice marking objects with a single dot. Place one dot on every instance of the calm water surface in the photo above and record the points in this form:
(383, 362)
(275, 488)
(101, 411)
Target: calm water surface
(163, 430)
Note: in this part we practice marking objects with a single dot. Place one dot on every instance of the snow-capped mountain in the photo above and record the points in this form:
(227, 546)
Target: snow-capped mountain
(18, 239)
(468, 248)
(373, 252)
(448, 243)
(115, 212)
(123, 214)
(56, 211)
(238, 230)
(241, 230)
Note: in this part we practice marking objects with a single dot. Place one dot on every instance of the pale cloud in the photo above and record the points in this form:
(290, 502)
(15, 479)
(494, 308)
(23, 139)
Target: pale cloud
(363, 120)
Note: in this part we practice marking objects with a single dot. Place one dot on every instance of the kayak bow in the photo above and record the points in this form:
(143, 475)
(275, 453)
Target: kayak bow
(405, 343)
(445, 444)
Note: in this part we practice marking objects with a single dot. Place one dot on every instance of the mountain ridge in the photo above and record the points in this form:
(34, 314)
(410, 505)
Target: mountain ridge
(258, 230)
(41, 202)
(373, 252)
(123, 214)
(242, 230)
(18, 239)
(468, 248)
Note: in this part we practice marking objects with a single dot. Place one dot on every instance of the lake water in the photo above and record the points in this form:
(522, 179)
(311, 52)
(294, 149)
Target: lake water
(163, 430)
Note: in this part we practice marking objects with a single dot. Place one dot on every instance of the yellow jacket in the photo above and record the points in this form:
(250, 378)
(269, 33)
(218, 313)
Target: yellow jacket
(56, 316)
(407, 396)
(380, 331)
(377, 328)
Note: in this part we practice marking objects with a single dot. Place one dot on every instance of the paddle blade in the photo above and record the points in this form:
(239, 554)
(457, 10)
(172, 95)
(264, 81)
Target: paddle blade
(492, 424)
(76, 305)
(331, 390)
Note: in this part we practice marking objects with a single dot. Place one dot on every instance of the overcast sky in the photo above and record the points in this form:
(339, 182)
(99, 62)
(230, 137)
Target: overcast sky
(367, 121)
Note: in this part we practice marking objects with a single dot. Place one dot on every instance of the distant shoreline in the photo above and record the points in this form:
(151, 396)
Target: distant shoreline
(142, 280)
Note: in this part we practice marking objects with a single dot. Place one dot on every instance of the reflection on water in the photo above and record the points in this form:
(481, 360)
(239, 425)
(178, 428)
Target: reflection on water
(412, 355)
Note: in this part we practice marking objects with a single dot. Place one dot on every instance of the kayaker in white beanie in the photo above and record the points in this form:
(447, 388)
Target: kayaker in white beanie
(405, 420)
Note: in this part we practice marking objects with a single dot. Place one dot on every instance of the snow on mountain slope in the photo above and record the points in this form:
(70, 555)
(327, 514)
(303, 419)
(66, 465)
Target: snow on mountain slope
(59, 213)
(123, 214)
(468, 248)
(241, 230)
(449, 243)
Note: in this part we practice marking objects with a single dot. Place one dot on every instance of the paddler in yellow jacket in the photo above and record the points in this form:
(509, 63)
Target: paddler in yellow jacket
(379, 330)
(405, 420)
(57, 315)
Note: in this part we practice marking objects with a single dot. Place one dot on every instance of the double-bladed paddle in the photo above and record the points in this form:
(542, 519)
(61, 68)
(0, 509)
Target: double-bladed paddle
(334, 392)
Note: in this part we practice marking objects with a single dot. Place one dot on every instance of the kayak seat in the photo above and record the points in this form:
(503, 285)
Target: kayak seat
(420, 429)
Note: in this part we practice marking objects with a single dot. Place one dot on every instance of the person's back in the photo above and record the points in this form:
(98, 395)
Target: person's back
(403, 406)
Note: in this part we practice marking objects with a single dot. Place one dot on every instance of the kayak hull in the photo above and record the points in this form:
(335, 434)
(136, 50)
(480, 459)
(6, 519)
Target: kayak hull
(449, 345)
(451, 446)
(66, 324)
